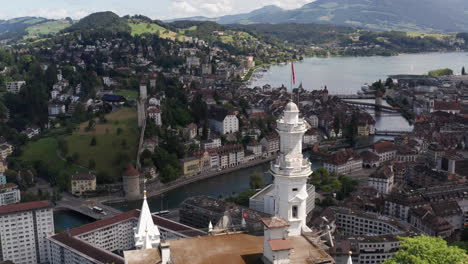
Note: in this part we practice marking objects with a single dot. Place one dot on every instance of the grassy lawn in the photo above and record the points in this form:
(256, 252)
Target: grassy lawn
(45, 149)
(110, 145)
(438, 36)
(46, 28)
(128, 94)
(139, 28)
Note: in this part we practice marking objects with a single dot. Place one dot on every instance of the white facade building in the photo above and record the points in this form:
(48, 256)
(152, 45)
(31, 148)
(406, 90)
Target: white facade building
(343, 162)
(24, 229)
(290, 171)
(155, 114)
(14, 87)
(382, 180)
(223, 122)
(9, 194)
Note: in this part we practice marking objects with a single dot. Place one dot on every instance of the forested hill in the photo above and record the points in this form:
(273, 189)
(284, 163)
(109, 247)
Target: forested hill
(382, 15)
(101, 21)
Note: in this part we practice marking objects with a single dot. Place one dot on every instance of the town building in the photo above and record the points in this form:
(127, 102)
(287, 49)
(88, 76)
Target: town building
(211, 143)
(82, 183)
(344, 161)
(190, 165)
(9, 194)
(371, 237)
(15, 87)
(97, 242)
(56, 109)
(311, 137)
(370, 159)
(6, 150)
(382, 179)
(270, 144)
(24, 229)
(230, 156)
(222, 121)
(386, 150)
(155, 114)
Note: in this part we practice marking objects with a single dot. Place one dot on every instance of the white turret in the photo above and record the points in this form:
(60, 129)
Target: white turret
(291, 171)
(146, 233)
(350, 259)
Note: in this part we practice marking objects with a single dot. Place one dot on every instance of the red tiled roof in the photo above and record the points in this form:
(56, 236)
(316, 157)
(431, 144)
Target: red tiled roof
(131, 171)
(343, 156)
(384, 146)
(274, 222)
(14, 208)
(280, 244)
(83, 177)
(441, 105)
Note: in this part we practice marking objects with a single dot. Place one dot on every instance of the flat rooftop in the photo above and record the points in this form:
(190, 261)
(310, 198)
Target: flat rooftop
(240, 249)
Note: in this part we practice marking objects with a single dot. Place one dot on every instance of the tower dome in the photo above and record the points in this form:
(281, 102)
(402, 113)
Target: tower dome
(291, 107)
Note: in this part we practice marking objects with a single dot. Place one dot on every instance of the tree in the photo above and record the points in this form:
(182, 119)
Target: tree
(93, 141)
(169, 173)
(91, 164)
(256, 181)
(463, 71)
(425, 249)
(337, 124)
(119, 131)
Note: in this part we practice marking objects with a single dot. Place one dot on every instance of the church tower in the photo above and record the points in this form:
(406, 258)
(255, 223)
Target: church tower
(146, 233)
(290, 171)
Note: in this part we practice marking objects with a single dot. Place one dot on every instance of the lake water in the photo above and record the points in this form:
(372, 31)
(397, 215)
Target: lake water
(346, 75)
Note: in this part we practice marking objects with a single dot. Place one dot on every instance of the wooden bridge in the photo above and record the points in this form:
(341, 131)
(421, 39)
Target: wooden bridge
(391, 132)
(382, 108)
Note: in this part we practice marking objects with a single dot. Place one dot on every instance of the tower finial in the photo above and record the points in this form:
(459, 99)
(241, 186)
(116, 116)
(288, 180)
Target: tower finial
(144, 189)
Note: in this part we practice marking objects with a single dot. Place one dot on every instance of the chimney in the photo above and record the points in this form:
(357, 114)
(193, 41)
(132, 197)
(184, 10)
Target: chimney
(165, 253)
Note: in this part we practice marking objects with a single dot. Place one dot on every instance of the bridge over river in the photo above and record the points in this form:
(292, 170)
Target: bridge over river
(382, 108)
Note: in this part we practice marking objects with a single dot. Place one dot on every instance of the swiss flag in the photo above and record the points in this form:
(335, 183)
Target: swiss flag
(245, 215)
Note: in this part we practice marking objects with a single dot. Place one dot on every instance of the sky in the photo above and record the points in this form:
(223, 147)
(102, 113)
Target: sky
(155, 9)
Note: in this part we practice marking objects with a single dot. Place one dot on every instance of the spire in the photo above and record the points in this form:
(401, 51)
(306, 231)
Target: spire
(210, 227)
(146, 233)
(350, 259)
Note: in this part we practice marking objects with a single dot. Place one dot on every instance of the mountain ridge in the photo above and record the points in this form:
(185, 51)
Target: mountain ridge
(380, 15)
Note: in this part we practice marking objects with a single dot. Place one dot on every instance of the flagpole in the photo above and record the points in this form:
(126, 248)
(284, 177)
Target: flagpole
(292, 76)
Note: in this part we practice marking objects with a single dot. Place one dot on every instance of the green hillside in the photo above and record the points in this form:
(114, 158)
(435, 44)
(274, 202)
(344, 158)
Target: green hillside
(140, 27)
(46, 28)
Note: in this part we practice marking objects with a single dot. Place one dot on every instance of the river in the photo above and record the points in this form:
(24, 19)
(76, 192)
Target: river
(346, 75)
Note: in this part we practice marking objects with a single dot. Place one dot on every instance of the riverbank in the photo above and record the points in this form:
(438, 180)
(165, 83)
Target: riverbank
(184, 181)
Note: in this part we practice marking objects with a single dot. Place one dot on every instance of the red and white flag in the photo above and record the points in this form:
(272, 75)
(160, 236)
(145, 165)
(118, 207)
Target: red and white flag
(245, 215)
(293, 73)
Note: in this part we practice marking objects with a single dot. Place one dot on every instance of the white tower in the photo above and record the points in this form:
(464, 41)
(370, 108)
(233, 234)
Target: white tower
(146, 233)
(291, 171)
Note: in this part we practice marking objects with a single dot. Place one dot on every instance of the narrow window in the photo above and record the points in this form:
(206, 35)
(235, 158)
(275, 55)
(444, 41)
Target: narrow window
(294, 211)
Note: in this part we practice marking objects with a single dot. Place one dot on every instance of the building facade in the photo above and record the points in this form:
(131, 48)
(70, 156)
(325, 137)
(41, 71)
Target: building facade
(24, 229)
(343, 162)
(9, 194)
(83, 182)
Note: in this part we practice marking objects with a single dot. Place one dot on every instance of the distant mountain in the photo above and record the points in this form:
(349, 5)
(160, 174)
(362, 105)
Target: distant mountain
(235, 19)
(101, 21)
(404, 15)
